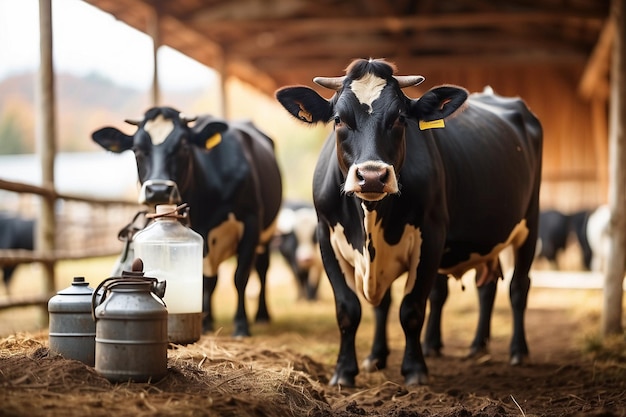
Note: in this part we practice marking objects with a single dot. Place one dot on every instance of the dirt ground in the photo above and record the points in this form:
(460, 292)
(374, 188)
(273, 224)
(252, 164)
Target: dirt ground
(284, 368)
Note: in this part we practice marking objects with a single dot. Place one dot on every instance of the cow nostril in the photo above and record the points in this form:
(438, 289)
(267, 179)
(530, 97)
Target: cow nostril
(383, 175)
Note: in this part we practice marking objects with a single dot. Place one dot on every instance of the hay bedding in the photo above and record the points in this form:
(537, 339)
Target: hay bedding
(224, 377)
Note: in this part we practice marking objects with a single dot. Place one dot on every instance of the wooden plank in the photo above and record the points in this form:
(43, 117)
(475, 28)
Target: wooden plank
(597, 68)
(13, 302)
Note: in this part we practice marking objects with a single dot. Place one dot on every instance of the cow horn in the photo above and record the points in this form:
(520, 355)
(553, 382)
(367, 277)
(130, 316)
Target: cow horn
(187, 118)
(408, 80)
(332, 83)
(134, 122)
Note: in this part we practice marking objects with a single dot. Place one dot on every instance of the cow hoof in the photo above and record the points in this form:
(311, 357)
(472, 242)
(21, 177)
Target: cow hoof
(207, 326)
(429, 352)
(417, 378)
(370, 364)
(477, 352)
(241, 331)
(517, 359)
(262, 319)
(342, 380)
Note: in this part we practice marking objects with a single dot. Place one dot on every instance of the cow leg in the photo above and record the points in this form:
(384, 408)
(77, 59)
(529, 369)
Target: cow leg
(246, 257)
(348, 314)
(312, 283)
(486, 299)
(208, 286)
(432, 338)
(262, 265)
(520, 285)
(412, 313)
(380, 351)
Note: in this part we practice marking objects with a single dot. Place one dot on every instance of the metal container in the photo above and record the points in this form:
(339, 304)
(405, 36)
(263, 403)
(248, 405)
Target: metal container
(131, 329)
(72, 329)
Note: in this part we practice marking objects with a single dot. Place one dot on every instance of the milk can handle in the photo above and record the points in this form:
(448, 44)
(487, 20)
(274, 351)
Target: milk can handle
(157, 288)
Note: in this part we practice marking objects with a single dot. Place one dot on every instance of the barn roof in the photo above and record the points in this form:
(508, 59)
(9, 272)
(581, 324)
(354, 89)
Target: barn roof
(271, 43)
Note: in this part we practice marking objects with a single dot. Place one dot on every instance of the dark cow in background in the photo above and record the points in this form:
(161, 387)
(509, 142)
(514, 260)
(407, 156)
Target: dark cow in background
(396, 191)
(296, 241)
(16, 232)
(555, 231)
(227, 173)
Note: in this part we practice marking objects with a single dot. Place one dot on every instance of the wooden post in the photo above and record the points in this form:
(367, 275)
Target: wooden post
(222, 68)
(155, 33)
(613, 280)
(46, 141)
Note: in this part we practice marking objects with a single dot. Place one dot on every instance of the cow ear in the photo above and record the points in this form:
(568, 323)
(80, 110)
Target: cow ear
(112, 139)
(208, 135)
(439, 103)
(305, 104)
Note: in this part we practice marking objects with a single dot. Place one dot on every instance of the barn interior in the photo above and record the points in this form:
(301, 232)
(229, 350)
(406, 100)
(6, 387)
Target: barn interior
(554, 54)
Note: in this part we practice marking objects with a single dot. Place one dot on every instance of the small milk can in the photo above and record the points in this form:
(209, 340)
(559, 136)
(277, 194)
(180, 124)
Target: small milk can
(172, 252)
(72, 330)
(131, 329)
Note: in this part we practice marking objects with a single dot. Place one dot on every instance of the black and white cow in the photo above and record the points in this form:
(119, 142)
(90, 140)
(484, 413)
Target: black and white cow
(296, 241)
(396, 191)
(227, 173)
(555, 229)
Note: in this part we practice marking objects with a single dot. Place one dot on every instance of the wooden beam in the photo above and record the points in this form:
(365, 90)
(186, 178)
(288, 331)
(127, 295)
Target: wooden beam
(597, 68)
(392, 23)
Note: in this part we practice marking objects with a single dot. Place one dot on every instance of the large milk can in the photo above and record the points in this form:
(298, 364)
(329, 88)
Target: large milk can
(172, 252)
(72, 329)
(131, 329)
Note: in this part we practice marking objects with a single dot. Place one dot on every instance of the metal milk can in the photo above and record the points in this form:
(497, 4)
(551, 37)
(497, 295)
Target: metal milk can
(131, 328)
(72, 330)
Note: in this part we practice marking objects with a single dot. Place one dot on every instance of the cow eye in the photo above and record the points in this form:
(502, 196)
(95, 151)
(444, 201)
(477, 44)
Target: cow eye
(337, 120)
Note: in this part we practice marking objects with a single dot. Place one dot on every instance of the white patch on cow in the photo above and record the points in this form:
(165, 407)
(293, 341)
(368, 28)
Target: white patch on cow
(159, 129)
(598, 228)
(222, 242)
(477, 261)
(371, 278)
(368, 88)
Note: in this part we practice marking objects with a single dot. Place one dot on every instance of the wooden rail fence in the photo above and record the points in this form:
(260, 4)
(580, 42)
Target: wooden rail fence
(85, 230)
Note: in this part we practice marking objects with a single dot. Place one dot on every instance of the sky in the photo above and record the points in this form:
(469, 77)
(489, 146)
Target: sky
(87, 40)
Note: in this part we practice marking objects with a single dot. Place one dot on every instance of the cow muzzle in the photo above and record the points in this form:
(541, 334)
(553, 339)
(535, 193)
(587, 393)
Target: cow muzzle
(371, 181)
(155, 192)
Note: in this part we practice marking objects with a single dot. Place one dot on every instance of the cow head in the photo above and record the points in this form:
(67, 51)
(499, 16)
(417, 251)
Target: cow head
(163, 145)
(370, 114)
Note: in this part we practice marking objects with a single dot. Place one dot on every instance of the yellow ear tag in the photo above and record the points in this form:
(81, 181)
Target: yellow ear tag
(213, 141)
(433, 124)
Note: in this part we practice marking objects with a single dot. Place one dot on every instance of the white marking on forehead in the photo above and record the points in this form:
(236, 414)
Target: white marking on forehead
(373, 277)
(158, 129)
(368, 88)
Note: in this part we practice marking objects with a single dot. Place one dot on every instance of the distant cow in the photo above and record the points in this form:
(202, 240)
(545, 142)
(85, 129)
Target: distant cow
(555, 229)
(399, 190)
(296, 241)
(227, 173)
(15, 233)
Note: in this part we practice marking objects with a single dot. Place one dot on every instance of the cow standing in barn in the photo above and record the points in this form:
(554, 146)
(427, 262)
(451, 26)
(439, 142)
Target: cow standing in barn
(399, 190)
(229, 176)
